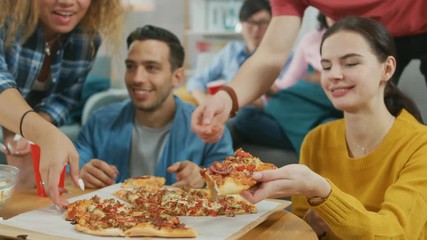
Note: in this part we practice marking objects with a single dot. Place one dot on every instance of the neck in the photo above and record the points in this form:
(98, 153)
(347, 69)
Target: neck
(364, 134)
(159, 117)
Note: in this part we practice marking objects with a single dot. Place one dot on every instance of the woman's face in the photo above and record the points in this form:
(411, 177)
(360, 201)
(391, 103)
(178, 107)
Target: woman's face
(61, 16)
(352, 77)
(254, 28)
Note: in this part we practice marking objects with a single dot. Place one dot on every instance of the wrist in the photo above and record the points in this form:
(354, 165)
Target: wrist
(233, 97)
(320, 193)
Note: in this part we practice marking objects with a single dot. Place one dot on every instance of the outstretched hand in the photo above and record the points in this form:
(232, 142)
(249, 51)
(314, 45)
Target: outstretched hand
(208, 120)
(56, 152)
(289, 180)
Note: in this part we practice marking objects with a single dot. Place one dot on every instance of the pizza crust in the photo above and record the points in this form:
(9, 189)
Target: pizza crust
(148, 230)
(144, 181)
(110, 232)
(229, 186)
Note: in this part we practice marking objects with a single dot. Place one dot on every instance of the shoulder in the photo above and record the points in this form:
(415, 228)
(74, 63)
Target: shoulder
(407, 125)
(109, 112)
(330, 130)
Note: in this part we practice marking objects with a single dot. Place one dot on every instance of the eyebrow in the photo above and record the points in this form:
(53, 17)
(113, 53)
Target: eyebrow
(143, 62)
(343, 57)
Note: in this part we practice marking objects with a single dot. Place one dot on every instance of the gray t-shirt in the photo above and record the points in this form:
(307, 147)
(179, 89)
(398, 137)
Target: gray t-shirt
(147, 146)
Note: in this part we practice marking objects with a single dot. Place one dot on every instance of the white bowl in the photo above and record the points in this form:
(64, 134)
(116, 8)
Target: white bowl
(8, 178)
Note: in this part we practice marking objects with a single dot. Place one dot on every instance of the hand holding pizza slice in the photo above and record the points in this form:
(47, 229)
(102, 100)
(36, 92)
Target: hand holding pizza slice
(234, 174)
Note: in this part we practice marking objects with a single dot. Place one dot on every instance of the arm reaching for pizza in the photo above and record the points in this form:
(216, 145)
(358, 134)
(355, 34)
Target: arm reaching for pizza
(187, 174)
(253, 79)
(98, 174)
(290, 180)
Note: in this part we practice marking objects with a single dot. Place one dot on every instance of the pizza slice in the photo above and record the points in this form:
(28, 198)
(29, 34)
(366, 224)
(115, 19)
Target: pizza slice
(234, 174)
(149, 182)
(109, 217)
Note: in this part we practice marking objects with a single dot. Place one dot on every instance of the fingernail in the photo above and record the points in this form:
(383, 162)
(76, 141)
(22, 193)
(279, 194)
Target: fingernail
(60, 209)
(81, 184)
(207, 121)
(256, 175)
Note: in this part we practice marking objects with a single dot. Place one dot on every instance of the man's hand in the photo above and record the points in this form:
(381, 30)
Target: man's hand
(98, 174)
(187, 174)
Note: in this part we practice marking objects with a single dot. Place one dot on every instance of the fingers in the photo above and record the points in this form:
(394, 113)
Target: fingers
(255, 194)
(73, 162)
(51, 185)
(267, 175)
(207, 121)
(97, 174)
(174, 167)
(187, 174)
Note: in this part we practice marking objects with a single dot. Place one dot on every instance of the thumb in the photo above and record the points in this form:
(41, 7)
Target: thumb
(174, 167)
(266, 176)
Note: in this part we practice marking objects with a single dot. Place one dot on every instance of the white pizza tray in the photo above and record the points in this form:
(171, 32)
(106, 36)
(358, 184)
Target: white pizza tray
(50, 221)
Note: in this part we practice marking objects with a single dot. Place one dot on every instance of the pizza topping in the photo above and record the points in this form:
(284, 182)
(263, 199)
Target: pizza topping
(234, 174)
(221, 169)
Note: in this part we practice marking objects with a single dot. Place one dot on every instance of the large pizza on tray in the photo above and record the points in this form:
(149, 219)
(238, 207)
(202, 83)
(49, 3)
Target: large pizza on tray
(150, 209)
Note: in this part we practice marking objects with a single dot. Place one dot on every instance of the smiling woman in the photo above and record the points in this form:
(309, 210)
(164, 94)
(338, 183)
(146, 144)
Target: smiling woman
(48, 49)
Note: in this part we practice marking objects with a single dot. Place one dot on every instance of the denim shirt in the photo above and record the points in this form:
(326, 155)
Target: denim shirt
(20, 65)
(107, 135)
(224, 66)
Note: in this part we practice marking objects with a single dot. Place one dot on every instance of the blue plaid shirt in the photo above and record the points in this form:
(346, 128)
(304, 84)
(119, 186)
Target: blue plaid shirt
(20, 66)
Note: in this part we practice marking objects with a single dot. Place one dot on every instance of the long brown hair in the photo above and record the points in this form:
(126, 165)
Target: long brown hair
(382, 45)
(105, 16)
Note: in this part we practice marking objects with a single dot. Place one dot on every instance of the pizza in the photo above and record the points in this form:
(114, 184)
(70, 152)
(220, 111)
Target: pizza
(144, 181)
(109, 217)
(234, 174)
(186, 202)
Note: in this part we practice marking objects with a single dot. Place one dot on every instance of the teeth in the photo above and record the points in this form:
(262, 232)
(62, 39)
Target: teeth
(66, 14)
(340, 89)
(141, 91)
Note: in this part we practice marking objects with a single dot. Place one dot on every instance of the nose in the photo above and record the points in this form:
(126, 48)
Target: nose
(334, 74)
(140, 75)
(64, 3)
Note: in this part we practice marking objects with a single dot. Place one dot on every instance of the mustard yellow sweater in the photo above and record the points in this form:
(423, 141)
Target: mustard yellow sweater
(380, 196)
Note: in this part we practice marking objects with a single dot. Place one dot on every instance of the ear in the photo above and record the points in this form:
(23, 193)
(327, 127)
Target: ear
(389, 68)
(178, 76)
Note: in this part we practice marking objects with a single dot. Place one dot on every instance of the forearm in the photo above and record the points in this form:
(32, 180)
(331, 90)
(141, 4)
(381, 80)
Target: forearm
(33, 126)
(258, 73)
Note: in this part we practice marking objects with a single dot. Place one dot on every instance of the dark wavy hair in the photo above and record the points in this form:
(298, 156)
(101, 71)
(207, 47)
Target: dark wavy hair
(321, 20)
(250, 7)
(149, 32)
(382, 45)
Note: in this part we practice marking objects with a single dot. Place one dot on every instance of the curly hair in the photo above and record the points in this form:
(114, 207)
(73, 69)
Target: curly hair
(104, 16)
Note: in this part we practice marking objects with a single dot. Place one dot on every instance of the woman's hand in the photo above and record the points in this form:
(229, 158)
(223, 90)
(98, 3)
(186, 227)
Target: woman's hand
(56, 151)
(293, 179)
(208, 119)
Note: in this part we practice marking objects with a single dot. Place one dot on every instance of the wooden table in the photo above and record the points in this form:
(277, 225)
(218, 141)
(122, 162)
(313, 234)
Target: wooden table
(279, 225)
